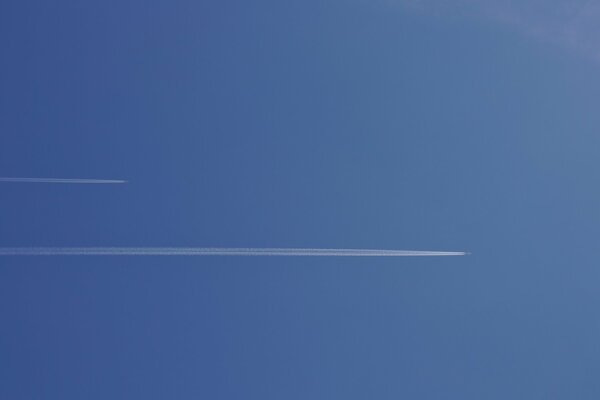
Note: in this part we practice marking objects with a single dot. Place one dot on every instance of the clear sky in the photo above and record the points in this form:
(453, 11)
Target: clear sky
(350, 124)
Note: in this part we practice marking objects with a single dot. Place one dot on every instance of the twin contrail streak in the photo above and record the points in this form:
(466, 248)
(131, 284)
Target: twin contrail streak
(215, 251)
(62, 180)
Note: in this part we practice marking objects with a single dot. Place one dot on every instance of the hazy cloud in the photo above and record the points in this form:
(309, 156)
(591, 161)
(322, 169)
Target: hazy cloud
(216, 251)
(62, 180)
(571, 23)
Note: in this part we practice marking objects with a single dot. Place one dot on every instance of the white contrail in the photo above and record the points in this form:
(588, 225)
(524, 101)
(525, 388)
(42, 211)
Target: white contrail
(215, 251)
(62, 180)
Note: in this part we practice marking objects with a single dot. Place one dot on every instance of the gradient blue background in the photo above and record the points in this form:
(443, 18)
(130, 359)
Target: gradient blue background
(296, 124)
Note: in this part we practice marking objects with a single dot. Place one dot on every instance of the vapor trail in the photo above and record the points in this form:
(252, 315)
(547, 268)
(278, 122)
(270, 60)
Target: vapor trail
(62, 180)
(214, 251)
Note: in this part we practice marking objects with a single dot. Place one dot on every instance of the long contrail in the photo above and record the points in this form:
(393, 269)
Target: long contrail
(215, 251)
(62, 180)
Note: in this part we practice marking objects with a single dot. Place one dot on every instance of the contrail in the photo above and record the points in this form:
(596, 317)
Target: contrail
(216, 251)
(62, 180)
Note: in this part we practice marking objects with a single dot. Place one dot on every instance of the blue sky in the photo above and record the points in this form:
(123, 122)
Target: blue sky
(347, 124)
